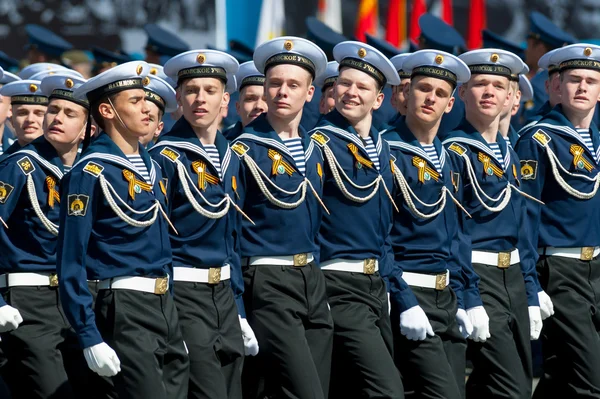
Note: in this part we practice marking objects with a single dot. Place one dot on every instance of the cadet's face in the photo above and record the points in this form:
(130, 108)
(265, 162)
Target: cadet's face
(133, 110)
(553, 89)
(485, 95)
(580, 89)
(64, 122)
(27, 121)
(287, 88)
(356, 94)
(201, 100)
(327, 102)
(399, 98)
(512, 92)
(155, 126)
(251, 103)
(428, 98)
(5, 109)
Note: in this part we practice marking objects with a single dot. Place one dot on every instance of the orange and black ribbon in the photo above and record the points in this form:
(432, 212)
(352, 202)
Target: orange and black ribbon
(354, 150)
(489, 165)
(578, 159)
(133, 182)
(52, 191)
(203, 176)
(424, 168)
(278, 161)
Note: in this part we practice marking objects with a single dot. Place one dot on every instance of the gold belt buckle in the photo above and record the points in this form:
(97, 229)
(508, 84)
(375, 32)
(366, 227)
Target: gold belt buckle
(369, 266)
(440, 282)
(504, 260)
(53, 280)
(161, 285)
(214, 275)
(587, 253)
(300, 260)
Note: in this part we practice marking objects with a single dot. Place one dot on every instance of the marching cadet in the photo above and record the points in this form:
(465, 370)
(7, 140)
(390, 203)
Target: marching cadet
(510, 107)
(113, 228)
(251, 101)
(423, 235)
(488, 171)
(7, 135)
(42, 350)
(559, 164)
(279, 186)
(168, 118)
(356, 177)
(398, 98)
(201, 175)
(160, 96)
(326, 82)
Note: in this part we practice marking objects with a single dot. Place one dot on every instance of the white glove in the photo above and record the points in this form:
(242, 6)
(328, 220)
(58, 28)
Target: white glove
(10, 318)
(415, 324)
(389, 305)
(250, 341)
(464, 323)
(546, 305)
(481, 324)
(102, 360)
(535, 322)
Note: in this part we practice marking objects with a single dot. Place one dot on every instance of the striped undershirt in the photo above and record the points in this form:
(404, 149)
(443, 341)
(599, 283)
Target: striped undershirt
(213, 154)
(140, 166)
(587, 139)
(497, 153)
(371, 151)
(433, 156)
(297, 151)
(67, 168)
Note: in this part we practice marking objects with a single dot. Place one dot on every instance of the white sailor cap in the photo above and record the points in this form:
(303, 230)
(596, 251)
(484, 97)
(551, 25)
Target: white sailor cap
(544, 62)
(203, 63)
(437, 64)
(328, 77)
(526, 88)
(367, 59)
(577, 56)
(397, 61)
(61, 86)
(290, 50)
(24, 92)
(127, 76)
(248, 75)
(158, 70)
(492, 61)
(30, 70)
(7, 77)
(161, 93)
(43, 74)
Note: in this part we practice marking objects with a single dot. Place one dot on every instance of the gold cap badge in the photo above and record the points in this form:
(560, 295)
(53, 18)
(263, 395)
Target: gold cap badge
(495, 57)
(362, 53)
(201, 58)
(139, 69)
(153, 71)
(439, 59)
(288, 45)
(33, 88)
(587, 52)
(68, 83)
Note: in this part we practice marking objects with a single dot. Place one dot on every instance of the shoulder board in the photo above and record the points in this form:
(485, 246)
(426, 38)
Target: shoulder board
(240, 148)
(542, 137)
(320, 138)
(93, 169)
(170, 154)
(457, 148)
(27, 167)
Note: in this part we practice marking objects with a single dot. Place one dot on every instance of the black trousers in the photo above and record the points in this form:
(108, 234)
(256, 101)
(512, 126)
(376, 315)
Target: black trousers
(363, 364)
(571, 338)
(209, 322)
(287, 309)
(434, 367)
(502, 366)
(144, 331)
(43, 356)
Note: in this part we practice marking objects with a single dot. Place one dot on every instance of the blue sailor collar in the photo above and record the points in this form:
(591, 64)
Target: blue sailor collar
(182, 136)
(105, 149)
(556, 122)
(400, 137)
(43, 153)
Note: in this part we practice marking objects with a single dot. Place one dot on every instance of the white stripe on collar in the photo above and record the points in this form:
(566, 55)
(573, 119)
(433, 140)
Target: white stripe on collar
(573, 133)
(309, 151)
(482, 147)
(121, 161)
(527, 126)
(417, 150)
(352, 137)
(190, 147)
(52, 168)
(270, 142)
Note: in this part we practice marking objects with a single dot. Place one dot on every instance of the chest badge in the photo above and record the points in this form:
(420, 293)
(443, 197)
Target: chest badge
(489, 167)
(360, 160)
(279, 166)
(135, 186)
(425, 172)
(204, 178)
(579, 160)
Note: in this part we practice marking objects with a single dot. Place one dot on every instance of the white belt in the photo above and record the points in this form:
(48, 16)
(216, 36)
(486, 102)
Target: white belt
(157, 286)
(581, 253)
(297, 260)
(435, 281)
(502, 260)
(366, 266)
(214, 275)
(28, 280)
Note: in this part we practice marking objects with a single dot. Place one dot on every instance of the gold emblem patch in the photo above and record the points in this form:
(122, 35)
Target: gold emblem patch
(240, 148)
(439, 59)
(529, 169)
(457, 148)
(201, 58)
(33, 88)
(541, 138)
(26, 165)
(5, 191)
(78, 204)
(495, 57)
(169, 153)
(288, 45)
(362, 53)
(93, 169)
(587, 51)
(320, 138)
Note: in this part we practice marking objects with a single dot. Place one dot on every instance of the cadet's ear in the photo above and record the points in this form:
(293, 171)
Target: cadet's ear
(106, 111)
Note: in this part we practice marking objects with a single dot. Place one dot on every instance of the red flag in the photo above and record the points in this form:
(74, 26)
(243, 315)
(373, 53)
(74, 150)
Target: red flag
(477, 23)
(418, 8)
(447, 14)
(396, 23)
(367, 19)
